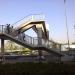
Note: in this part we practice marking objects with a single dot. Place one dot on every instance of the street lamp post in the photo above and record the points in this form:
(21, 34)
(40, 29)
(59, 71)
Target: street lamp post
(67, 26)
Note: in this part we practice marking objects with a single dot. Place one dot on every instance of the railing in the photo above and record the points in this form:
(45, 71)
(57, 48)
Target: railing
(5, 29)
(32, 41)
(2, 28)
(29, 18)
(28, 39)
(45, 43)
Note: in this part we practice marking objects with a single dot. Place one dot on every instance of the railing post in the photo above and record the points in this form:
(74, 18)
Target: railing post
(31, 39)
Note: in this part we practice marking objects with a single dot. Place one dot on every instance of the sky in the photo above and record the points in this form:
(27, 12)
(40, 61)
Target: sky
(54, 11)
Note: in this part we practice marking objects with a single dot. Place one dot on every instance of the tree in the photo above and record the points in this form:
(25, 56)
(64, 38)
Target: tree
(9, 45)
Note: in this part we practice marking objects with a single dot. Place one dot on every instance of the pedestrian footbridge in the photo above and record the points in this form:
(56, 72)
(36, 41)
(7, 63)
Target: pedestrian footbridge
(16, 34)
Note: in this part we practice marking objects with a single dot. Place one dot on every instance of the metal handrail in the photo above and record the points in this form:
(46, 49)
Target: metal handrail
(29, 18)
(32, 41)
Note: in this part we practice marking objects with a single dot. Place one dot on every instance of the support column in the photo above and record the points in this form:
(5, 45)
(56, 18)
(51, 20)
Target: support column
(2, 49)
(60, 51)
(39, 36)
(46, 40)
(47, 35)
(2, 45)
(40, 43)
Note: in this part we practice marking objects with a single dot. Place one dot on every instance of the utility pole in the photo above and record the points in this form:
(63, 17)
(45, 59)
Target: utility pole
(67, 26)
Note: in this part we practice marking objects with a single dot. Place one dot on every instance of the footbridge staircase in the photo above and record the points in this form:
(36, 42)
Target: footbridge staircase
(40, 43)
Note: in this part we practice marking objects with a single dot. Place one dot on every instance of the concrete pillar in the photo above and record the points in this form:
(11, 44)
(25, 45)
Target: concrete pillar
(40, 43)
(39, 37)
(47, 35)
(2, 46)
(2, 49)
